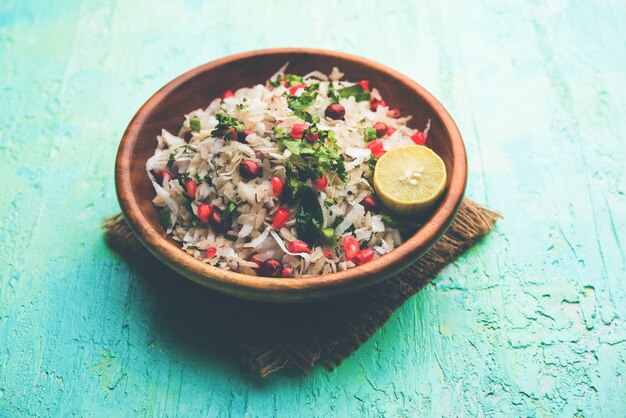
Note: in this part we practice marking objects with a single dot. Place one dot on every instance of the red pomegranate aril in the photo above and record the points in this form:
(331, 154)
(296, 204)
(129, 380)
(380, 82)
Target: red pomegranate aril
(381, 129)
(163, 176)
(287, 272)
(377, 148)
(297, 87)
(249, 169)
(312, 136)
(393, 113)
(256, 260)
(297, 130)
(227, 94)
(391, 130)
(419, 138)
(217, 222)
(230, 133)
(298, 246)
(210, 252)
(204, 212)
(281, 216)
(364, 256)
(370, 204)
(351, 247)
(365, 84)
(328, 254)
(191, 187)
(270, 268)
(277, 185)
(335, 111)
(320, 183)
(241, 136)
(376, 103)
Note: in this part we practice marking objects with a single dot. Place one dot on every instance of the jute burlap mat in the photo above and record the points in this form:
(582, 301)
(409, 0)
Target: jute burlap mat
(273, 337)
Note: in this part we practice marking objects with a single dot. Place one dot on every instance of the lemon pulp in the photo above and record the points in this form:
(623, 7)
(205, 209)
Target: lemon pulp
(408, 180)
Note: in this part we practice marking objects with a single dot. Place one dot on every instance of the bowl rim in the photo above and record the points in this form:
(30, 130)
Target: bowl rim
(290, 289)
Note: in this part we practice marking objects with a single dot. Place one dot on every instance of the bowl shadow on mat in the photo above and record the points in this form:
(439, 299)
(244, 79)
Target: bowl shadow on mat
(187, 315)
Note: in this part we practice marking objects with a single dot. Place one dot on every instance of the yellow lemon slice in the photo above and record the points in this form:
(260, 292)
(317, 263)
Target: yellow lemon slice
(408, 180)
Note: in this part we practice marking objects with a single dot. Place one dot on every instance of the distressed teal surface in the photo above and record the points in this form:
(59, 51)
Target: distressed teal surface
(531, 322)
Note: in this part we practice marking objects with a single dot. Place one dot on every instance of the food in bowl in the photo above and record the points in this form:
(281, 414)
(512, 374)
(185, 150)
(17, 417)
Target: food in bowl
(279, 179)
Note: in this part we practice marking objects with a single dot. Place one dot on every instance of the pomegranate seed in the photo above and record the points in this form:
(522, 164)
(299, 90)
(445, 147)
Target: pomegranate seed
(351, 247)
(419, 138)
(312, 136)
(377, 148)
(335, 111)
(297, 129)
(297, 87)
(297, 246)
(320, 183)
(255, 259)
(365, 256)
(376, 103)
(163, 176)
(191, 187)
(227, 94)
(370, 204)
(328, 253)
(277, 185)
(393, 113)
(210, 252)
(241, 136)
(281, 216)
(250, 169)
(391, 130)
(217, 222)
(381, 129)
(270, 268)
(365, 84)
(204, 211)
(230, 133)
(287, 272)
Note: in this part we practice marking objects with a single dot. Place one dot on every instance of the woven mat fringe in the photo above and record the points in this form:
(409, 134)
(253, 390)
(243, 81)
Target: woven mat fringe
(275, 337)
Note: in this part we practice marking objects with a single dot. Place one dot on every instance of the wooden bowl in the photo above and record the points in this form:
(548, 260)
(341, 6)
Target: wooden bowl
(196, 88)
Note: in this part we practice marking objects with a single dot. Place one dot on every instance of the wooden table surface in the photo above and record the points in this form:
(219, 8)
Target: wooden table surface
(528, 323)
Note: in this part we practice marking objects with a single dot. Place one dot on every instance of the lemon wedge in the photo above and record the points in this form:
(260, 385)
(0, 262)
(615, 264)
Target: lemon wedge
(408, 180)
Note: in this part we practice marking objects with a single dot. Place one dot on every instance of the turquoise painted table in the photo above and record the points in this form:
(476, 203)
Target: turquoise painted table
(530, 322)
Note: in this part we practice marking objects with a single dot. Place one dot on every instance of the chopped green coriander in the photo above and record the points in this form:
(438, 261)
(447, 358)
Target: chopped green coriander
(357, 90)
(293, 79)
(328, 202)
(225, 122)
(332, 96)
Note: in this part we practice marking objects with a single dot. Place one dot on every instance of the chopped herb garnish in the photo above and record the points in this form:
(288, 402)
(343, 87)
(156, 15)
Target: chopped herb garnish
(165, 218)
(229, 212)
(309, 218)
(328, 202)
(293, 79)
(276, 82)
(306, 99)
(370, 134)
(310, 160)
(194, 124)
(331, 93)
(224, 122)
(372, 161)
(357, 90)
